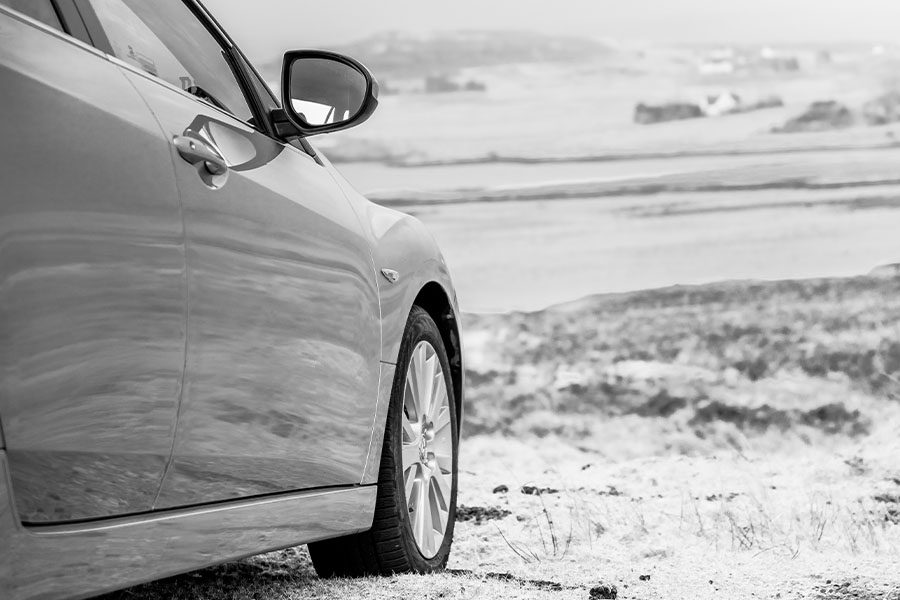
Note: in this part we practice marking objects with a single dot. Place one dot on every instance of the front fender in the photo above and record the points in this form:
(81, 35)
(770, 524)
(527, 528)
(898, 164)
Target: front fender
(403, 244)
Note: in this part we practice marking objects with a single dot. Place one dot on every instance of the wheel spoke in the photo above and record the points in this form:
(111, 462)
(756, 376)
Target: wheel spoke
(438, 397)
(442, 442)
(410, 454)
(419, 367)
(441, 420)
(409, 432)
(410, 396)
(444, 461)
(439, 509)
(427, 383)
(441, 488)
(410, 476)
(422, 516)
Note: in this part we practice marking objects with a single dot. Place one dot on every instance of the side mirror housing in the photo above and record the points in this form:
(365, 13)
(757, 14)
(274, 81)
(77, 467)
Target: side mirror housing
(322, 92)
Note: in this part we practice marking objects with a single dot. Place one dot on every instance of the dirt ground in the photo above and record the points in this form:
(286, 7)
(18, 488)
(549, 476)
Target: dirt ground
(721, 526)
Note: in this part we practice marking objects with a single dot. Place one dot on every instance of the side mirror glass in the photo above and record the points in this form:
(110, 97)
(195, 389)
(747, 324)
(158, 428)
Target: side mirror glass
(324, 92)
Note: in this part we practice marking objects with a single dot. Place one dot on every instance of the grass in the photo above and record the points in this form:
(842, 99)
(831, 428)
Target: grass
(735, 440)
(810, 358)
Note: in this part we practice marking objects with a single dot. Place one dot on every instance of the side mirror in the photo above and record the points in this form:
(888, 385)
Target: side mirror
(323, 91)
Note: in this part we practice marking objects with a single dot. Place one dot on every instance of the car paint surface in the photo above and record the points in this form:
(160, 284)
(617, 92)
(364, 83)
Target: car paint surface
(169, 339)
(402, 243)
(78, 561)
(92, 283)
(283, 319)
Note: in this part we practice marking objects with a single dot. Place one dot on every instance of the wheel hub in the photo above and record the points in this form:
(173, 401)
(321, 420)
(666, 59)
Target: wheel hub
(423, 449)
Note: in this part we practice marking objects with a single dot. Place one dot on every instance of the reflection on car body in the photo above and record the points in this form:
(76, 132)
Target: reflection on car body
(201, 358)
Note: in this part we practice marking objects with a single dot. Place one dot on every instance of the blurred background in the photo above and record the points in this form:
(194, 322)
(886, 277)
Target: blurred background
(559, 150)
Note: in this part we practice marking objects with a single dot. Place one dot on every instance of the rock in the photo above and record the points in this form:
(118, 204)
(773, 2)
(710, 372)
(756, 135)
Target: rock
(820, 116)
(887, 498)
(531, 490)
(604, 591)
(443, 84)
(644, 577)
(764, 103)
(501, 489)
(440, 84)
(726, 497)
(882, 110)
(646, 114)
(480, 513)
(663, 404)
(857, 465)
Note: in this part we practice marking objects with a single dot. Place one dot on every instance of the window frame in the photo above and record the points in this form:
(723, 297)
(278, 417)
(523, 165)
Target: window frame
(249, 71)
(70, 22)
(53, 7)
(259, 121)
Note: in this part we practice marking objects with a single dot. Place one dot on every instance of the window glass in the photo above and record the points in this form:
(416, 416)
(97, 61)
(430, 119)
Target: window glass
(164, 38)
(42, 10)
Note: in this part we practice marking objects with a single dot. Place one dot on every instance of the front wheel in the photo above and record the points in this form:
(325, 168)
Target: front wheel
(415, 509)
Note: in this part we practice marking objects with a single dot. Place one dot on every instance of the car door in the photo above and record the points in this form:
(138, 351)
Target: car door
(92, 278)
(283, 325)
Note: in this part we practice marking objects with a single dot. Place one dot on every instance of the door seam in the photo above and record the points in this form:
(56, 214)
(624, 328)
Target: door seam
(187, 291)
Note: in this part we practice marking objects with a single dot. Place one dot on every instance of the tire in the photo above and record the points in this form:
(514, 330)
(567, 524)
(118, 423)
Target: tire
(392, 545)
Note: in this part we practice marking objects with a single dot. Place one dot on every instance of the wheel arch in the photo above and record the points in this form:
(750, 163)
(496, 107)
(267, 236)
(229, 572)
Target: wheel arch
(434, 300)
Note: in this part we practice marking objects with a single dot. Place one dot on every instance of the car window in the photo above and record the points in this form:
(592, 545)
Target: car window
(42, 10)
(164, 38)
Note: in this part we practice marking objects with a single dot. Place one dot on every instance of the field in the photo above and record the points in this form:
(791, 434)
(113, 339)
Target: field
(579, 229)
(542, 189)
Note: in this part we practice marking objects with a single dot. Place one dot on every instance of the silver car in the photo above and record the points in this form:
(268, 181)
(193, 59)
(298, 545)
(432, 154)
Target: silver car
(211, 346)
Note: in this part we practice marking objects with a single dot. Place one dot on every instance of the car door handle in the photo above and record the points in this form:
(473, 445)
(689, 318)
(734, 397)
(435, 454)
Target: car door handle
(195, 151)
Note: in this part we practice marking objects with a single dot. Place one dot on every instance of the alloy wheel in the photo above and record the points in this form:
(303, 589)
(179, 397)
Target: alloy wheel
(427, 449)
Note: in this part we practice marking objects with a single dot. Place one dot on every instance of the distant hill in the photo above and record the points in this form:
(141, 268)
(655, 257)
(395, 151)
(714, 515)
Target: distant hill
(407, 55)
(403, 54)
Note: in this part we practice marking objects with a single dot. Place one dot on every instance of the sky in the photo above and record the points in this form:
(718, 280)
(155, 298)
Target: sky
(266, 28)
